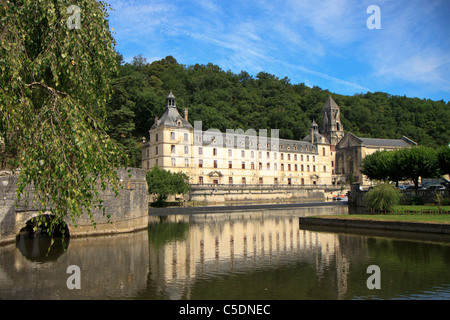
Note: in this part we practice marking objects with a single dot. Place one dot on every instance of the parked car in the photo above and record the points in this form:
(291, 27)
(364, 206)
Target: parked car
(435, 187)
(414, 188)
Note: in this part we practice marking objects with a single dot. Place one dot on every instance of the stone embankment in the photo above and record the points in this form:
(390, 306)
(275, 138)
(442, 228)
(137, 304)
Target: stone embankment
(128, 211)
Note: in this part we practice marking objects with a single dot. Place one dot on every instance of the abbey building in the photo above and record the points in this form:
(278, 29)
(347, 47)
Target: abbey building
(250, 158)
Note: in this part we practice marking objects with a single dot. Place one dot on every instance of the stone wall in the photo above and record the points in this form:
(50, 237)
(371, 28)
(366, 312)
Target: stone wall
(128, 212)
(226, 193)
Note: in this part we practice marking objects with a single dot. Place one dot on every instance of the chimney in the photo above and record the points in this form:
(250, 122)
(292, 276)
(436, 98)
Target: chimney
(186, 114)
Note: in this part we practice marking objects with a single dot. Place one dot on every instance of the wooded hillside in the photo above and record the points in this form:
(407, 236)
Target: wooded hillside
(225, 100)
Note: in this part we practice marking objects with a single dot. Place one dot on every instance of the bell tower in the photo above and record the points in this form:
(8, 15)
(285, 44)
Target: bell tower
(332, 128)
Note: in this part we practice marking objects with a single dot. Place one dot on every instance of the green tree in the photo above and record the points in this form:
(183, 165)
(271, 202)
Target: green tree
(54, 86)
(419, 162)
(165, 183)
(443, 155)
(376, 165)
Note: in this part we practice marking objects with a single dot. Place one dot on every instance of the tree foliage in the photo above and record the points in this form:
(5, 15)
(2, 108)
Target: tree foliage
(402, 164)
(382, 197)
(165, 183)
(54, 86)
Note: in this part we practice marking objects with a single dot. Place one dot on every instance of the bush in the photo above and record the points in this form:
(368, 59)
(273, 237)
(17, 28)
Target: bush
(416, 201)
(383, 197)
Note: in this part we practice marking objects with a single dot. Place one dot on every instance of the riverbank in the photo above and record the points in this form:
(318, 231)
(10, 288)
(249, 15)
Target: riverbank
(430, 223)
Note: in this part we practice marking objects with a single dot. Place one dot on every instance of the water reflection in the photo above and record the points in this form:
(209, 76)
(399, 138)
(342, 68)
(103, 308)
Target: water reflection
(236, 255)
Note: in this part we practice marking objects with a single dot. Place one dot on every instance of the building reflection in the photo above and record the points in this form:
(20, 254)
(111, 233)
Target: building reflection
(221, 244)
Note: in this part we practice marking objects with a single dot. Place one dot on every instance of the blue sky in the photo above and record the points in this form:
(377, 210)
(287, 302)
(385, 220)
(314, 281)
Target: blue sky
(319, 43)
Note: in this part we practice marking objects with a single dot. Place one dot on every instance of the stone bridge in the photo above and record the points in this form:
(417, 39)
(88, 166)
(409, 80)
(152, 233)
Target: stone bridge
(129, 211)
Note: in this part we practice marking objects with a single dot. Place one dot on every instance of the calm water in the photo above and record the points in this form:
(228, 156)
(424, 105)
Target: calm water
(232, 255)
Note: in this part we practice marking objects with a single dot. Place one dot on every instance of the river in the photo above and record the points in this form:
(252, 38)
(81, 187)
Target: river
(231, 253)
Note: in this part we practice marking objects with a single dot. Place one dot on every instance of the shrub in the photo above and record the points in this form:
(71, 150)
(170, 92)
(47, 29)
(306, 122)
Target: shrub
(382, 198)
(416, 201)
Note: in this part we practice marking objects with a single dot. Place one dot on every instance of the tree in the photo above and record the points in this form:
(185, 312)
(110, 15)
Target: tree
(443, 155)
(376, 165)
(165, 183)
(419, 162)
(56, 61)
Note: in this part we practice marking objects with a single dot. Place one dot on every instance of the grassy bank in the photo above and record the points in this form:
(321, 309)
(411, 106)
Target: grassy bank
(407, 213)
(410, 217)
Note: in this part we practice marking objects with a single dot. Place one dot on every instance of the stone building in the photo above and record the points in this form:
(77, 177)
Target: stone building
(247, 158)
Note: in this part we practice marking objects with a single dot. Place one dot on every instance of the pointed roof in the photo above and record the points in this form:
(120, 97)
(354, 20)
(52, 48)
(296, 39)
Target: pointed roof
(330, 104)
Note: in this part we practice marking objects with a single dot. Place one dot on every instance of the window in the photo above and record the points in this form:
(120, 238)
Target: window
(275, 180)
(172, 135)
(230, 164)
(302, 169)
(307, 168)
(282, 156)
(289, 156)
(260, 154)
(289, 167)
(200, 150)
(186, 137)
(324, 168)
(314, 168)
(230, 180)
(200, 180)
(260, 166)
(289, 181)
(186, 163)
(214, 152)
(174, 162)
(295, 157)
(172, 149)
(260, 180)
(275, 155)
(243, 153)
(302, 181)
(186, 149)
(230, 152)
(156, 150)
(323, 151)
(268, 155)
(314, 158)
(243, 164)
(156, 137)
(275, 166)
(215, 163)
(332, 164)
(200, 163)
(282, 167)
(243, 180)
(295, 167)
(252, 166)
(268, 165)
(307, 158)
(301, 157)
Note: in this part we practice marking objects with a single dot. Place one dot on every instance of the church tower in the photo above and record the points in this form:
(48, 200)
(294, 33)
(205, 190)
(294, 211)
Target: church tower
(332, 128)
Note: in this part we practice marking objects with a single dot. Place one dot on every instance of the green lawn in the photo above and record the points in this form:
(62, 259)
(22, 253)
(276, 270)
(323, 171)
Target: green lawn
(420, 209)
(427, 218)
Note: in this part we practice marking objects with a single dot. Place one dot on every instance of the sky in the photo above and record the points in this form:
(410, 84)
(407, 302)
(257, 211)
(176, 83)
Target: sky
(348, 47)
